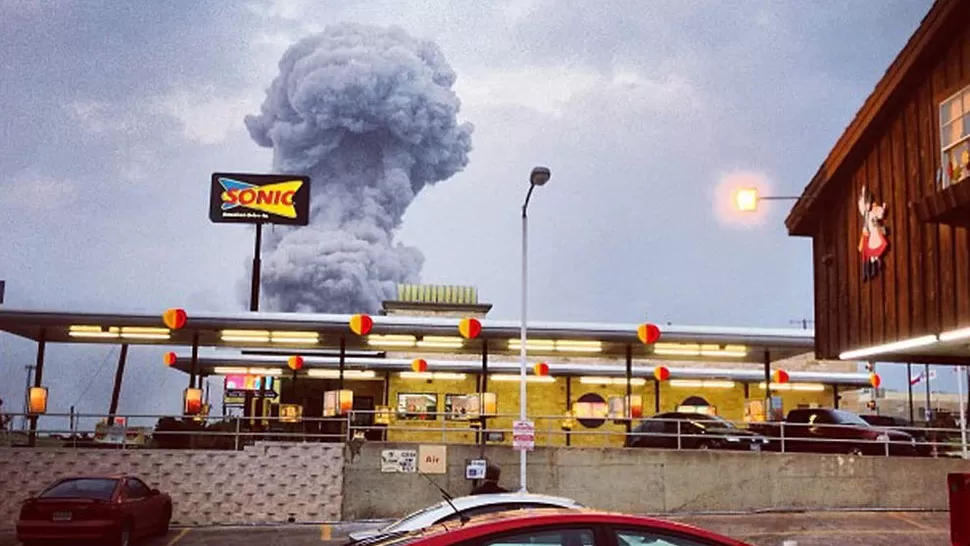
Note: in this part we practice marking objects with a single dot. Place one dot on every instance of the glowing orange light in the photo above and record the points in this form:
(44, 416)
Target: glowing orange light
(37, 400)
(661, 373)
(469, 328)
(192, 401)
(541, 369)
(174, 318)
(295, 362)
(635, 402)
(648, 333)
(875, 380)
(419, 365)
(170, 358)
(361, 324)
(780, 377)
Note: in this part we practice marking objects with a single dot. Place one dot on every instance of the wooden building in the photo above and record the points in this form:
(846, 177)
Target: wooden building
(889, 209)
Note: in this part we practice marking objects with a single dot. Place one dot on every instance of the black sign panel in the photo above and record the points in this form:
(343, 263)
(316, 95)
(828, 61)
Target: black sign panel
(259, 199)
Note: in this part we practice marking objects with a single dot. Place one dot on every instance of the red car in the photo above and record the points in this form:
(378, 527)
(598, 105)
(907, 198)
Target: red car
(113, 510)
(560, 528)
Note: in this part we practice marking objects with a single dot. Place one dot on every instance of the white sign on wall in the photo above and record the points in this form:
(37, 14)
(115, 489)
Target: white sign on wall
(399, 460)
(523, 435)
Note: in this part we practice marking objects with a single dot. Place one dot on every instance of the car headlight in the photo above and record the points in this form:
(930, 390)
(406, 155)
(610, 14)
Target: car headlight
(882, 438)
(733, 439)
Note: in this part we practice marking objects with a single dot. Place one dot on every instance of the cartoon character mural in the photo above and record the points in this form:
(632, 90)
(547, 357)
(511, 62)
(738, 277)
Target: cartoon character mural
(873, 243)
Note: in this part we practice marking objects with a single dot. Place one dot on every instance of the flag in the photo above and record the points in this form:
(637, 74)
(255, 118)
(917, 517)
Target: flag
(921, 376)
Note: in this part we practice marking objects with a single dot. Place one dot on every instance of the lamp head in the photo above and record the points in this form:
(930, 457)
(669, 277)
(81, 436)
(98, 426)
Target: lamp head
(746, 199)
(539, 176)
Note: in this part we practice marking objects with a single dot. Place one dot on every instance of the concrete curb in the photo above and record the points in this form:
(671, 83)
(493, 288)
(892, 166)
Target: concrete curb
(337, 529)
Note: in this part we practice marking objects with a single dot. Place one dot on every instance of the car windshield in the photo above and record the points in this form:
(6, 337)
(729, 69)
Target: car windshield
(846, 418)
(711, 421)
(81, 488)
(403, 521)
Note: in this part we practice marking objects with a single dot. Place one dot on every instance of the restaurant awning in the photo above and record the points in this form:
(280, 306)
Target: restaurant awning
(322, 332)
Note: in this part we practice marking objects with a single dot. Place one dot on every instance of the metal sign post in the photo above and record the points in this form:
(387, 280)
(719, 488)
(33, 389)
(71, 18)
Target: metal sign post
(238, 198)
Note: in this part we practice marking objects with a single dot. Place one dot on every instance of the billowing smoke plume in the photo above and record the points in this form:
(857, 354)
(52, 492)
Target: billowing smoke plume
(370, 115)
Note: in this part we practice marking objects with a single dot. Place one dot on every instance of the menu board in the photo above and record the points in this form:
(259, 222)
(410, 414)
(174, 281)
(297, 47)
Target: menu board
(461, 407)
(417, 406)
(237, 386)
(330, 403)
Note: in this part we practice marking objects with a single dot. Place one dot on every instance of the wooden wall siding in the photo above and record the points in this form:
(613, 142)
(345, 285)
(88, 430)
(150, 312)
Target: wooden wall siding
(924, 284)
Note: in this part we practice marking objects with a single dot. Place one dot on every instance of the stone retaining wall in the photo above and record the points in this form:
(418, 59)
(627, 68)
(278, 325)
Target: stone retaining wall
(265, 483)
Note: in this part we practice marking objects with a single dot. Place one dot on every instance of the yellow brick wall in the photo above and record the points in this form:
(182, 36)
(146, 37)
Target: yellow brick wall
(438, 430)
(547, 406)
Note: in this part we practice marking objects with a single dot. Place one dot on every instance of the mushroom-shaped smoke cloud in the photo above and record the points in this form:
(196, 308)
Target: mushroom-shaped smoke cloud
(370, 115)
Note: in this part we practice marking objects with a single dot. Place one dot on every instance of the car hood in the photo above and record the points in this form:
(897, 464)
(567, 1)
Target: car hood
(895, 434)
(362, 534)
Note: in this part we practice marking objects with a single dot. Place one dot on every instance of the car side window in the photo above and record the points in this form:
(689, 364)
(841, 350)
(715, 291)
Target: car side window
(653, 538)
(546, 537)
(653, 427)
(136, 489)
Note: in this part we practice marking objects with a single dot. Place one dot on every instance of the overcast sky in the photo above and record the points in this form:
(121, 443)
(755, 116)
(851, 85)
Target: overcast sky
(116, 113)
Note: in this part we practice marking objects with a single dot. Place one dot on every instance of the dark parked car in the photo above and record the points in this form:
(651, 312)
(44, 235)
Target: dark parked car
(112, 510)
(827, 430)
(924, 445)
(675, 430)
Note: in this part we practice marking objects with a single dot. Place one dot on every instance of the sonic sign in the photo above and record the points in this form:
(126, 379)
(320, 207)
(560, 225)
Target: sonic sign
(260, 199)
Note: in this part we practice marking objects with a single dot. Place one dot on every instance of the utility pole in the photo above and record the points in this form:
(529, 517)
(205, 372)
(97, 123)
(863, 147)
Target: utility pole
(804, 322)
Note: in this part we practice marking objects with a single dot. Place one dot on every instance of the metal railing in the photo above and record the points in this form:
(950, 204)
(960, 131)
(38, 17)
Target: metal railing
(234, 433)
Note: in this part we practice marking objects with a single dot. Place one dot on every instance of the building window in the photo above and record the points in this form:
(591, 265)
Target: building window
(955, 137)
(419, 406)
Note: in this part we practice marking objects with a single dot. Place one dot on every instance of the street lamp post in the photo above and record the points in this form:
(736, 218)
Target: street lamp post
(746, 199)
(539, 176)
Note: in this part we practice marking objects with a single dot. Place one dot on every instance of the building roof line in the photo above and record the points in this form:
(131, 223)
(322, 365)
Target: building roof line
(898, 71)
(639, 370)
(219, 321)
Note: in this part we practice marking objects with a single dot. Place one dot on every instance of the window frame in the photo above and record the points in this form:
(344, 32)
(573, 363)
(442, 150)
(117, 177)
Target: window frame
(600, 535)
(611, 533)
(962, 91)
(136, 483)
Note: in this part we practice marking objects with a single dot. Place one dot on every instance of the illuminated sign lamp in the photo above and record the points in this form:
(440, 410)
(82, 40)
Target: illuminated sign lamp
(419, 365)
(541, 369)
(192, 401)
(661, 373)
(295, 362)
(170, 358)
(634, 406)
(361, 324)
(174, 318)
(345, 402)
(875, 380)
(780, 377)
(648, 333)
(469, 328)
(37, 400)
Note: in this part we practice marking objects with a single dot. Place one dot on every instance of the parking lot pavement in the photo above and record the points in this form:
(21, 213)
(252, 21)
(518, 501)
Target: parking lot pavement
(807, 529)
(831, 528)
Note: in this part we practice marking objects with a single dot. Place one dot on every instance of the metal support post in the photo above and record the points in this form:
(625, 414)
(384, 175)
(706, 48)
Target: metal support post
(38, 381)
(116, 390)
(767, 363)
(627, 406)
(257, 263)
